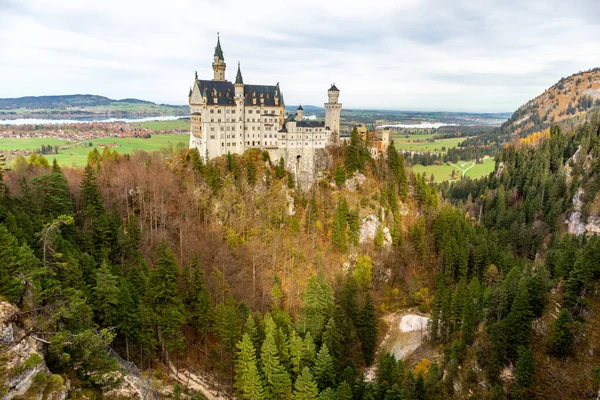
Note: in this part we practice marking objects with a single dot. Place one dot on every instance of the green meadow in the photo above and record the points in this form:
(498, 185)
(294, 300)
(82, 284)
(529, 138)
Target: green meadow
(424, 143)
(444, 172)
(76, 155)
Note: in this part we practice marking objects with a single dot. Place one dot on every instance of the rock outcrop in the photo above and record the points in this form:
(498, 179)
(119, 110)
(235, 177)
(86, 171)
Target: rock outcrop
(23, 371)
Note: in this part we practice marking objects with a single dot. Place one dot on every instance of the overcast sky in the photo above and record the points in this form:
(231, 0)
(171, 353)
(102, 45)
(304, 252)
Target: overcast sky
(459, 55)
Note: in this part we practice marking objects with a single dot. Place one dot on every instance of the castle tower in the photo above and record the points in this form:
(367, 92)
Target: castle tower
(219, 62)
(238, 98)
(299, 113)
(333, 110)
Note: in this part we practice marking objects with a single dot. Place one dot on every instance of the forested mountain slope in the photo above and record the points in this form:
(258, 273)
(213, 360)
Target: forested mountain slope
(568, 103)
(228, 268)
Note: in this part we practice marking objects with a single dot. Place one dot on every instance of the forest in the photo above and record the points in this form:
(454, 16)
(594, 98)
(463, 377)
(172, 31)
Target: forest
(230, 268)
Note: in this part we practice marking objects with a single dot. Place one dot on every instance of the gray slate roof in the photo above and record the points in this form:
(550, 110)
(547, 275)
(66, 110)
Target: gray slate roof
(224, 92)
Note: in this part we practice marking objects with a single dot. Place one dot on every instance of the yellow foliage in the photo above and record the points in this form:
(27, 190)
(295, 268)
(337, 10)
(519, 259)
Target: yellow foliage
(422, 367)
(535, 138)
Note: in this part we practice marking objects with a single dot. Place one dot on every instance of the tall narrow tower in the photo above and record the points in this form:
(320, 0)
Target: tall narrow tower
(219, 62)
(332, 114)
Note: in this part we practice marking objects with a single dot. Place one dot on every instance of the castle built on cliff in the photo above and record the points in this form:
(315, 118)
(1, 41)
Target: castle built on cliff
(231, 117)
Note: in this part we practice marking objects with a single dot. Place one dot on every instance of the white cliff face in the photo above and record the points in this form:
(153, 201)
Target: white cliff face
(368, 230)
(574, 220)
(24, 371)
(354, 183)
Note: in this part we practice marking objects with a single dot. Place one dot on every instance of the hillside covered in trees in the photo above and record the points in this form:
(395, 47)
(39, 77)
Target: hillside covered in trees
(228, 269)
(567, 103)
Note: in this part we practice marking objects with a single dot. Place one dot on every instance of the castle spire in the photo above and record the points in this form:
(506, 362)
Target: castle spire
(218, 50)
(238, 77)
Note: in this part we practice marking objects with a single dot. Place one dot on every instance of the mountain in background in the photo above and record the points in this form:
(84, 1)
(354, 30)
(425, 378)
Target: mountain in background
(84, 105)
(567, 103)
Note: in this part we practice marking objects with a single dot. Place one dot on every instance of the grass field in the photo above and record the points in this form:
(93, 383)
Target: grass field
(444, 172)
(421, 143)
(181, 125)
(77, 156)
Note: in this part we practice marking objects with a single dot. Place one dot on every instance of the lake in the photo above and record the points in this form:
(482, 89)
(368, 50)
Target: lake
(40, 121)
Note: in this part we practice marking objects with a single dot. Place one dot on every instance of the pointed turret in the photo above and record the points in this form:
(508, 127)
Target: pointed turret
(218, 49)
(238, 78)
(219, 62)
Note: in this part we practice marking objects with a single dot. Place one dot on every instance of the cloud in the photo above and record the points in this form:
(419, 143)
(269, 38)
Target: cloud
(409, 54)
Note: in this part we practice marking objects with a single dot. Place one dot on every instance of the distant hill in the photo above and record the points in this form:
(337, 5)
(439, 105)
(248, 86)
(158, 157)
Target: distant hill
(81, 105)
(566, 102)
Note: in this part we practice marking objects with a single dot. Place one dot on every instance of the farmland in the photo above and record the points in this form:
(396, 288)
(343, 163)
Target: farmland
(424, 142)
(76, 154)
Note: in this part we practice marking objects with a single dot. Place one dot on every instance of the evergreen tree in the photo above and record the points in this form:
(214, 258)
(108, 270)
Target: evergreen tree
(524, 372)
(165, 306)
(354, 161)
(318, 305)
(297, 353)
(247, 379)
(106, 295)
(323, 369)
(560, 342)
(95, 221)
(368, 330)
(305, 386)
(277, 379)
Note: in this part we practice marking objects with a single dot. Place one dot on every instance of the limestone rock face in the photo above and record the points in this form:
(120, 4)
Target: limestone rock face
(368, 230)
(354, 183)
(23, 370)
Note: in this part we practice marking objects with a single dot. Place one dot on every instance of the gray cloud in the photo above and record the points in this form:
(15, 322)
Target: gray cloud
(395, 54)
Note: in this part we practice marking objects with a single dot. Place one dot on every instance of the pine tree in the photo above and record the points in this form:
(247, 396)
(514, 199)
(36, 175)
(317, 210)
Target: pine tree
(318, 305)
(560, 342)
(524, 372)
(323, 369)
(297, 353)
(344, 391)
(368, 330)
(95, 221)
(228, 324)
(517, 324)
(247, 377)
(306, 387)
(354, 160)
(164, 301)
(277, 379)
(328, 394)
(106, 295)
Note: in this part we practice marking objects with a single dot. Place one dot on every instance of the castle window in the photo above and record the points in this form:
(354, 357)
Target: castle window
(219, 110)
(212, 136)
(212, 111)
(250, 111)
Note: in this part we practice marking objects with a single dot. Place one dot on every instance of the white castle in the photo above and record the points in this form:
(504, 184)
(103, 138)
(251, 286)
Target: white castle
(233, 117)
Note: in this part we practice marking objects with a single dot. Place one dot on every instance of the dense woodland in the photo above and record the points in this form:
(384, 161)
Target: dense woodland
(229, 267)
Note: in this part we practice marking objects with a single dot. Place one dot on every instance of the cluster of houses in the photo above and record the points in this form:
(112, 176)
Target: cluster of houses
(76, 132)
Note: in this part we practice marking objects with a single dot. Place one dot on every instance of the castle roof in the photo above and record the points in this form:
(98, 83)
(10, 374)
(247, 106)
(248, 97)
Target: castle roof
(305, 123)
(300, 108)
(333, 88)
(224, 92)
(218, 50)
(238, 77)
